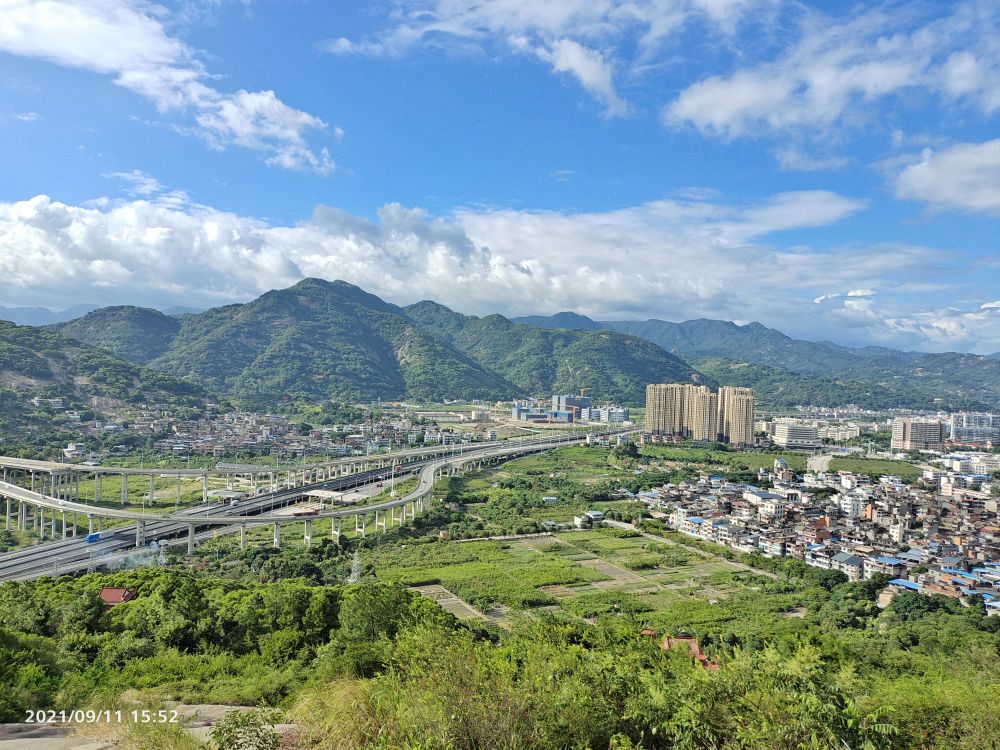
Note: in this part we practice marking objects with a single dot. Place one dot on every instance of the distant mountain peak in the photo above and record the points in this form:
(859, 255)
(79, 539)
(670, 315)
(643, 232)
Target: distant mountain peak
(566, 319)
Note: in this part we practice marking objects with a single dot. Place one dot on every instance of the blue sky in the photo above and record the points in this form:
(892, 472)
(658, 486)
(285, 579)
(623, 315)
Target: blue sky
(833, 174)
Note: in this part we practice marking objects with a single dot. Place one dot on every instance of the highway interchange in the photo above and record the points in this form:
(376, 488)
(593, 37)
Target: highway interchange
(205, 521)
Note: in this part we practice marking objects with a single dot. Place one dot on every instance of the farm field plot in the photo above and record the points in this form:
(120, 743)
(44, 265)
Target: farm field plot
(482, 573)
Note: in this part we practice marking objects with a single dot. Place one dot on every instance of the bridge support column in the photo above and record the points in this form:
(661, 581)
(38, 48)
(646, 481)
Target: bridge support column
(402, 514)
(140, 535)
(190, 538)
(307, 533)
(243, 536)
(40, 523)
(336, 527)
(277, 535)
(178, 503)
(124, 492)
(100, 524)
(90, 525)
(204, 489)
(152, 489)
(22, 516)
(54, 524)
(9, 503)
(64, 529)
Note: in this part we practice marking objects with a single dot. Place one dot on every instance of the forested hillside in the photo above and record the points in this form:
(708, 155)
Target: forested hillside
(138, 334)
(609, 365)
(783, 369)
(321, 340)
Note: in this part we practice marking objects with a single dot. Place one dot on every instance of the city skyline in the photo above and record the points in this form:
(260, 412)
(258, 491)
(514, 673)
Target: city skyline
(836, 171)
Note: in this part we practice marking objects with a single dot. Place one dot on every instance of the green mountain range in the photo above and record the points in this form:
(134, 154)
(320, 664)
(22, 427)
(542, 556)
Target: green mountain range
(609, 365)
(789, 371)
(322, 340)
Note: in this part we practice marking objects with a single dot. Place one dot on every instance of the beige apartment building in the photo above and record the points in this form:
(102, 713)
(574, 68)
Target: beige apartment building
(911, 434)
(737, 412)
(694, 412)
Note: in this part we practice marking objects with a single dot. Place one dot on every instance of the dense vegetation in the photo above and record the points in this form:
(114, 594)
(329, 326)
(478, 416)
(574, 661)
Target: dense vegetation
(777, 387)
(794, 368)
(376, 666)
(609, 365)
(320, 341)
(138, 334)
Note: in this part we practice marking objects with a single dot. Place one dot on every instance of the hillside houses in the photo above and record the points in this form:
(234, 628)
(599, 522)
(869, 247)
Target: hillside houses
(940, 535)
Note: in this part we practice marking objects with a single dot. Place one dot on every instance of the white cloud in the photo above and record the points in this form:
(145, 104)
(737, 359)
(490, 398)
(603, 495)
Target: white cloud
(590, 68)
(667, 259)
(138, 183)
(791, 157)
(838, 68)
(964, 177)
(28, 116)
(581, 37)
(127, 39)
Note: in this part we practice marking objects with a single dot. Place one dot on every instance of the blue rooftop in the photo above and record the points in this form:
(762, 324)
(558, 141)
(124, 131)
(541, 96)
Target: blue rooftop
(905, 584)
(889, 560)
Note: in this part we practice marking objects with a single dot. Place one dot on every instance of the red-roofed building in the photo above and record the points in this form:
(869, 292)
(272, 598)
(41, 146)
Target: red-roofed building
(112, 595)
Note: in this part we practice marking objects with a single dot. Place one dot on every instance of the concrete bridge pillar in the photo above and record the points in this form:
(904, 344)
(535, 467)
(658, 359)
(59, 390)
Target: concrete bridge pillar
(40, 527)
(204, 489)
(152, 489)
(124, 492)
(9, 504)
(243, 536)
(307, 533)
(64, 530)
(336, 527)
(90, 524)
(140, 535)
(277, 535)
(190, 538)
(22, 517)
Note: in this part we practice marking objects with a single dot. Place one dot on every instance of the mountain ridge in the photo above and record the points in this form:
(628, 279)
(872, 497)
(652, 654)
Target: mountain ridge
(948, 379)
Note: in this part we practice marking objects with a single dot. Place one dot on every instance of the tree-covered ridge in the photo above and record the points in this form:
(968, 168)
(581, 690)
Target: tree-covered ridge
(609, 365)
(137, 334)
(908, 379)
(39, 362)
(776, 387)
(323, 340)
